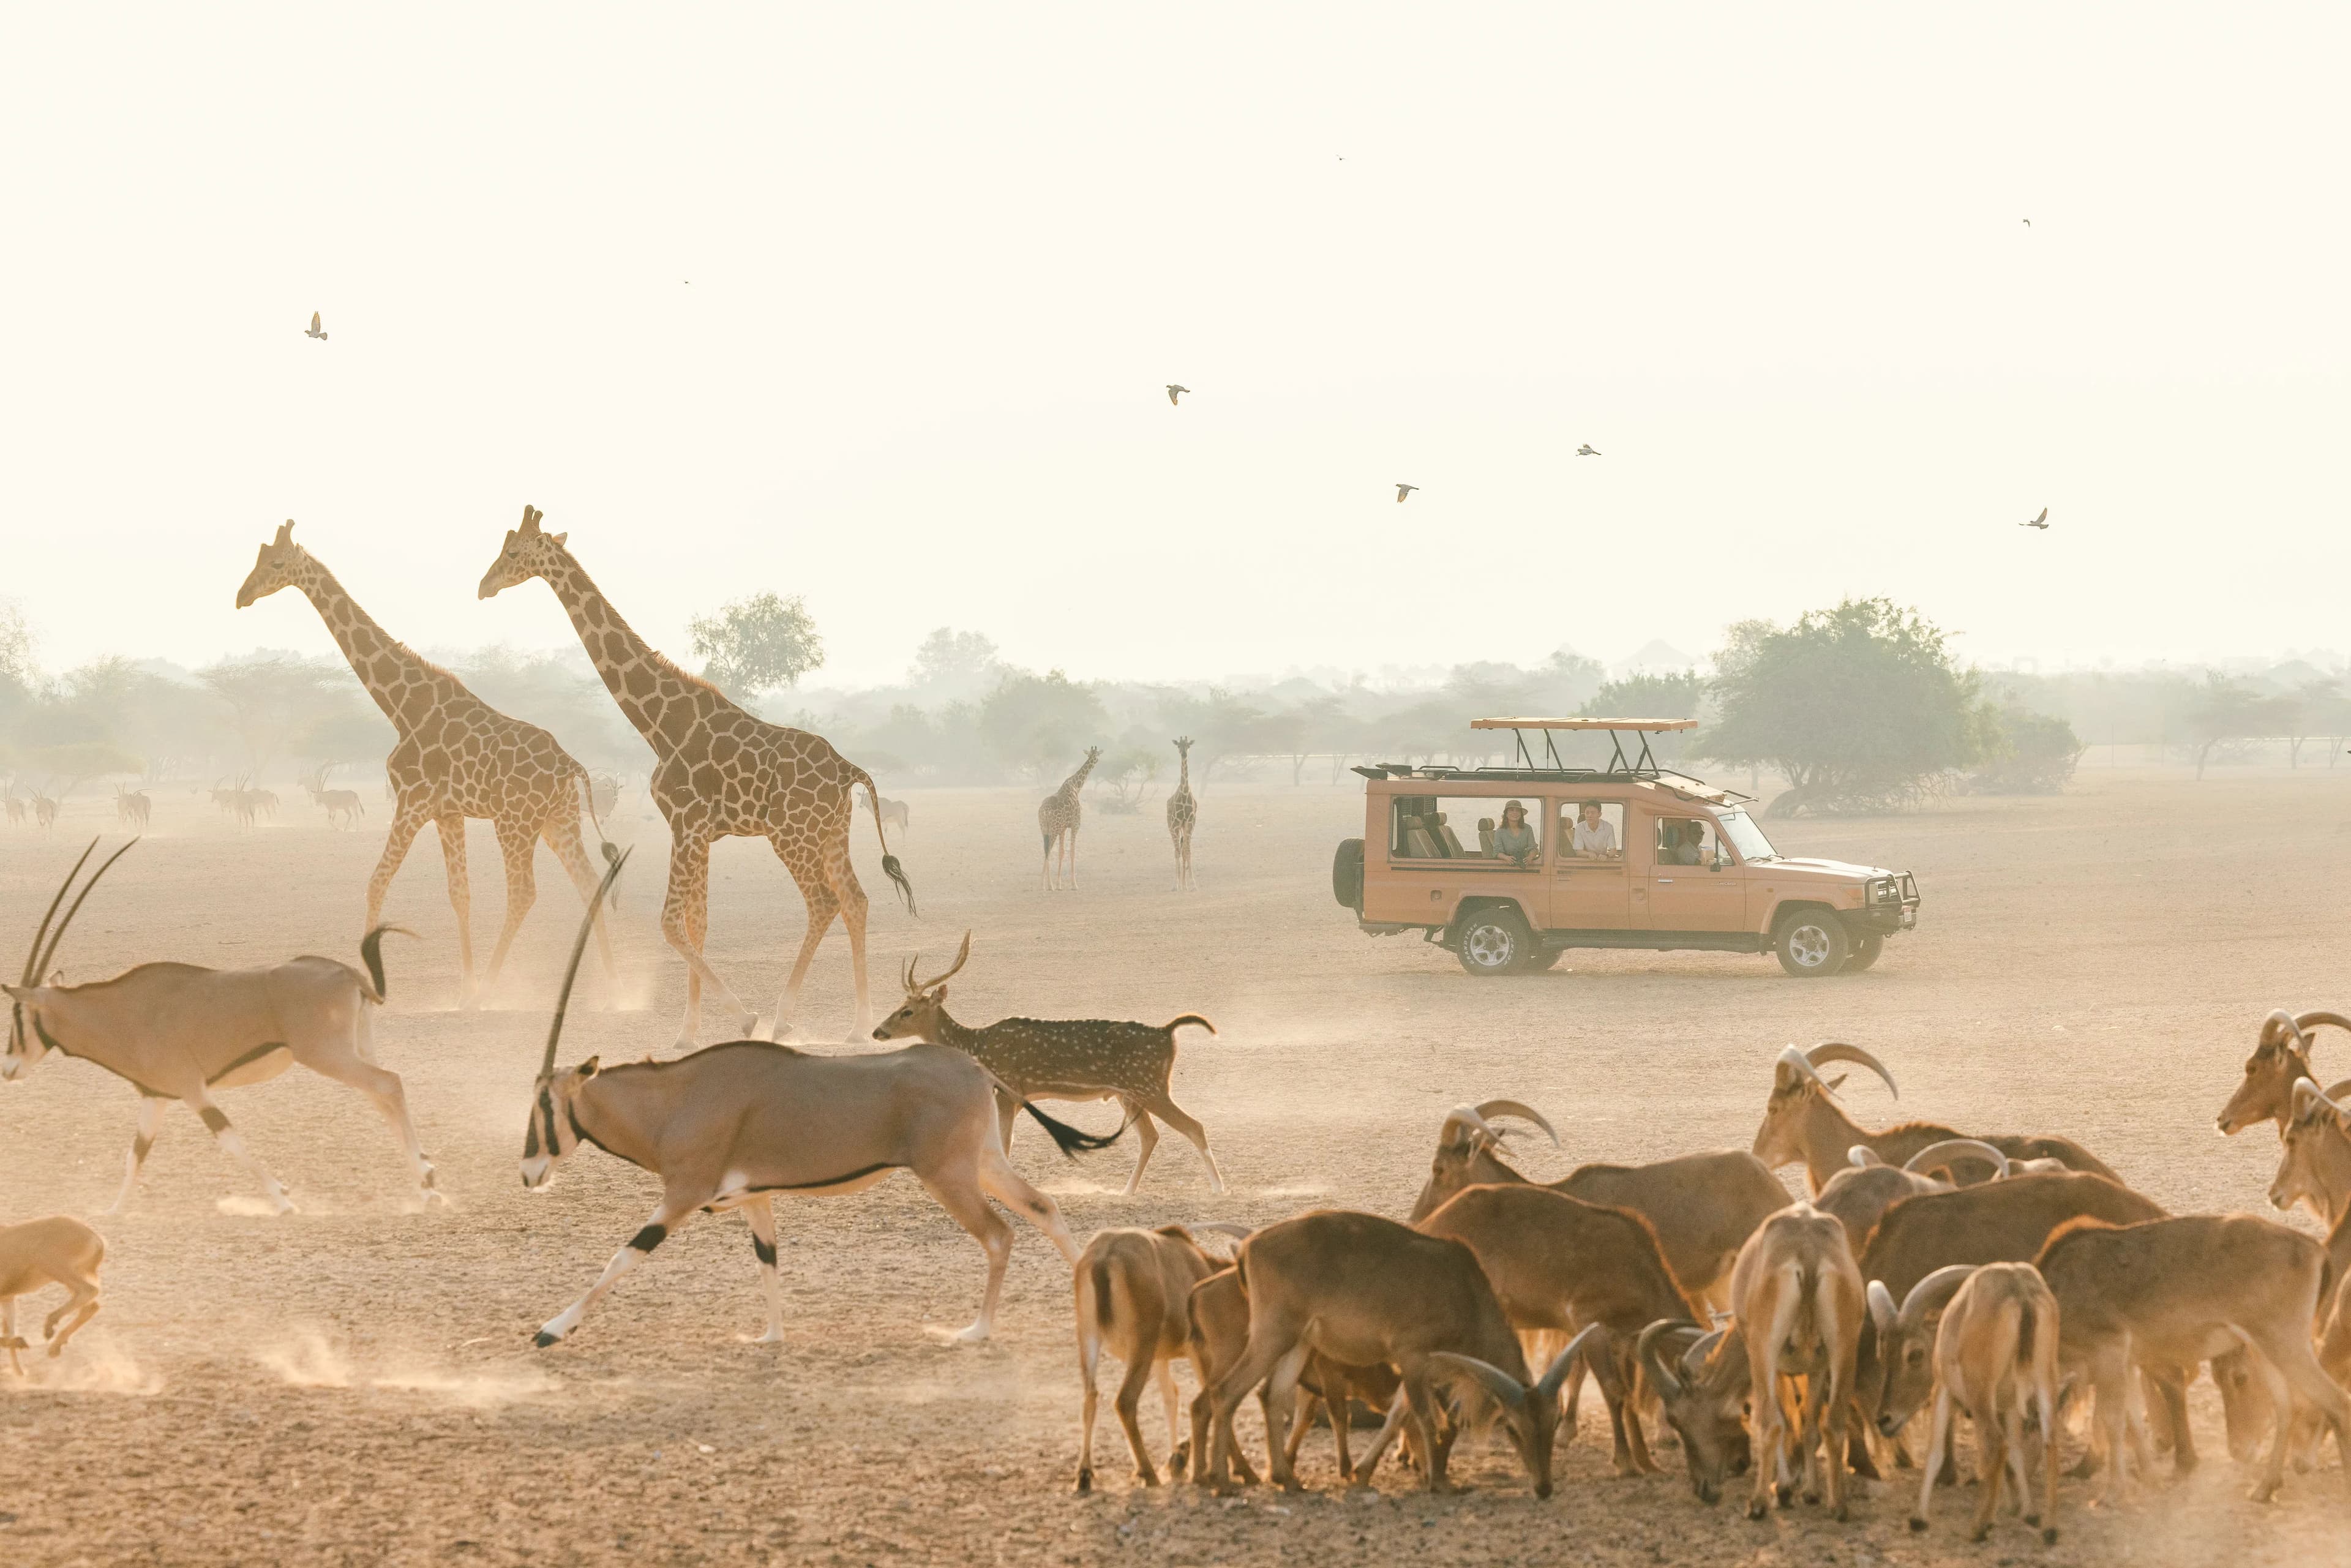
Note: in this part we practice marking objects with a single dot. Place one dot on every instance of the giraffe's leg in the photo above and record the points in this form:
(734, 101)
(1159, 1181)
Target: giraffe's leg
(808, 872)
(842, 877)
(562, 836)
(452, 828)
(1073, 855)
(406, 823)
(517, 844)
(686, 910)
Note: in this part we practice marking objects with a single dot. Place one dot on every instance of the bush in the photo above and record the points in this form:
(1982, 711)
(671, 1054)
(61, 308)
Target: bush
(2030, 754)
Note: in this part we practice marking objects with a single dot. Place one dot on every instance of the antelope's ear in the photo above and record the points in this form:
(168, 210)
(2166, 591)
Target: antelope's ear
(18, 993)
(587, 1068)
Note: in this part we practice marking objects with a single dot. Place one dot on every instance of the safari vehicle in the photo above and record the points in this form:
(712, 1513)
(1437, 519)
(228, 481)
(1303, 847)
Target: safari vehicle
(1625, 855)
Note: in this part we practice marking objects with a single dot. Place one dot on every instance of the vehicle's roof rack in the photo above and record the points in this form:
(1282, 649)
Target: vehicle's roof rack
(1641, 765)
(1680, 784)
(1646, 726)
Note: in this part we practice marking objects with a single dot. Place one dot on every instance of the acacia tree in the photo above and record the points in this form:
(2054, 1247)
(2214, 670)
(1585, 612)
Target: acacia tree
(2227, 711)
(759, 644)
(1860, 706)
(1039, 722)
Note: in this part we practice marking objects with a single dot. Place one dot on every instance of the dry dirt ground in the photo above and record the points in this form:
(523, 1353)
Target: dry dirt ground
(355, 1382)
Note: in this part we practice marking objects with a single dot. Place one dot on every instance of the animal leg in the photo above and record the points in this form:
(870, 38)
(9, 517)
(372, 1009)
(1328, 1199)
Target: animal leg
(1991, 1462)
(2295, 1363)
(452, 828)
(670, 1213)
(1186, 1127)
(966, 1203)
(8, 1333)
(1280, 1397)
(407, 821)
(684, 917)
(1073, 857)
(81, 1303)
(217, 1122)
(1269, 1342)
(1168, 1398)
(347, 1061)
(150, 1120)
(842, 877)
(1089, 1315)
(821, 908)
(1007, 1186)
(518, 845)
(1146, 1138)
(761, 1213)
(1129, 1401)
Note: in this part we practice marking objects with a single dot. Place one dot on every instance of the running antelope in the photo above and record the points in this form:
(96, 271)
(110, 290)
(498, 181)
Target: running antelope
(2281, 1055)
(56, 1250)
(177, 1031)
(44, 809)
(1062, 1058)
(732, 1125)
(1803, 1124)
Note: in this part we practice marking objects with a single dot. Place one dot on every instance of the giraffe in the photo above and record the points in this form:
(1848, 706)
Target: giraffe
(718, 772)
(458, 757)
(1057, 819)
(1183, 811)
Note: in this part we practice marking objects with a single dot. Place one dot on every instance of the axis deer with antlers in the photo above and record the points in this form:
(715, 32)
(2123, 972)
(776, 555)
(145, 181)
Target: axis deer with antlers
(1062, 1058)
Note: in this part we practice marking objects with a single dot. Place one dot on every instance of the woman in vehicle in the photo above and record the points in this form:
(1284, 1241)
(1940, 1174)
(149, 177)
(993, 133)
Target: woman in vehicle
(1514, 840)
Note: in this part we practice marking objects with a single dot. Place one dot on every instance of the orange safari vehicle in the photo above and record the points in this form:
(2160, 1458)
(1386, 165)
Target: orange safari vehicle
(1507, 868)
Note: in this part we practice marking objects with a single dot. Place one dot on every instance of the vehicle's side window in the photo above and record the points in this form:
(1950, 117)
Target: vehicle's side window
(1686, 840)
(1429, 826)
(1592, 829)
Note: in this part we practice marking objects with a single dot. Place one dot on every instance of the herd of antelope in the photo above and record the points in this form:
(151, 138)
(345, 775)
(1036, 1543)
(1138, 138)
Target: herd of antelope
(1930, 1269)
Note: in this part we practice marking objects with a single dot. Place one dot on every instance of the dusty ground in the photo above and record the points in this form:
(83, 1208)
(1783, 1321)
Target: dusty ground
(354, 1383)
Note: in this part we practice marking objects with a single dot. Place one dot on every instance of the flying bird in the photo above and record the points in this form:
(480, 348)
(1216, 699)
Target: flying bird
(1174, 392)
(2028, 223)
(316, 330)
(1587, 450)
(1404, 490)
(2040, 522)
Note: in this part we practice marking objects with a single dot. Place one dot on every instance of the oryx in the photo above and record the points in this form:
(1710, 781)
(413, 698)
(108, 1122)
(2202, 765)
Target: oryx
(178, 1031)
(732, 1125)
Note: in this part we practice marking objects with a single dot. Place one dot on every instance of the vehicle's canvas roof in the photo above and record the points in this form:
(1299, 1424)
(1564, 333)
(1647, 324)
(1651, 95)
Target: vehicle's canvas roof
(1653, 726)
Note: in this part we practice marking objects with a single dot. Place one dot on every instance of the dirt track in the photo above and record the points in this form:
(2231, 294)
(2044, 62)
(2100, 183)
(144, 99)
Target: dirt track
(354, 1383)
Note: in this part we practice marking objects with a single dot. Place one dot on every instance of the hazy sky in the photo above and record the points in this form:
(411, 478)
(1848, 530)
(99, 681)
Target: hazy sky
(942, 260)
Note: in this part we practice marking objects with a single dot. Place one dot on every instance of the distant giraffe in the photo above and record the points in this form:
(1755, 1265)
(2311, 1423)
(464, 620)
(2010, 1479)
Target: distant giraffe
(1183, 811)
(458, 757)
(1057, 821)
(718, 773)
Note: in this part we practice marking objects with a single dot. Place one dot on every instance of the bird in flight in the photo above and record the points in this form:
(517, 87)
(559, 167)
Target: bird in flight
(1404, 490)
(2028, 223)
(1174, 391)
(2040, 522)
(1587, 450)
(316, 330)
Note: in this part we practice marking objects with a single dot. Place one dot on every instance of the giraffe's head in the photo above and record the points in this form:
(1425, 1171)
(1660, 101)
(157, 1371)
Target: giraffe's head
(278, 566)
(1184, 746)
(528, 553)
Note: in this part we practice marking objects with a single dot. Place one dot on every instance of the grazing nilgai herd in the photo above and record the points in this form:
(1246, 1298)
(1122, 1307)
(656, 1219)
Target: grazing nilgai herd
(1930, 1270)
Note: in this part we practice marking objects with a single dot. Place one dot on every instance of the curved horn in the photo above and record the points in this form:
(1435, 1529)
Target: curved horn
(1645, 1350)
(1523, 1111)
(33, 958)
(907, 977)
(2304, 1022)
(1702, 1349)
(1837, 1050)
(1507, 1390)
(962, 956)
(1934, 1292)
(1220, 1227)
(1882, 1310)
(578, 946)
(1861, 1156)
(2278, 1026)
(1547, 1388)
(2336, 1093)
(74, 908)
(1934, 1154)
(1466, 1116)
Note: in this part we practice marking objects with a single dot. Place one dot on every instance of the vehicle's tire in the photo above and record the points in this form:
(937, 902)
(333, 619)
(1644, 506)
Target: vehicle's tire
(1812, 944)
(1493, 941)
(1865, 950)
(1545, 958)
(1347, 874)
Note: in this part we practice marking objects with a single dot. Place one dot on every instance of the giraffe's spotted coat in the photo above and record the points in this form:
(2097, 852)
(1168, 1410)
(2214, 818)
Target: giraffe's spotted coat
(1057, 823)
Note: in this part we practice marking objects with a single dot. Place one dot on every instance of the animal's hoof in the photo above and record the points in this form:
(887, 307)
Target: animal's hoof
(1980, 1533)
(2262, 1492)
(542, 1339)
(1085, 1482)
(976, 1334)
(1759, 1510)
(2048, 1536)
(1917, 1525)
(773, 1336)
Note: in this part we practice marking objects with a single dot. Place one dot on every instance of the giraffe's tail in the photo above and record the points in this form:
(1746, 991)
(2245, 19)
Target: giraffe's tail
(610, 851)
(890, 866)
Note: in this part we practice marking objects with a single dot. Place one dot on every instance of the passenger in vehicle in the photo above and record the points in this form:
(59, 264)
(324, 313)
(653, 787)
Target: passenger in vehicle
(1514, 840)
(1685, 844)
(1595, 838)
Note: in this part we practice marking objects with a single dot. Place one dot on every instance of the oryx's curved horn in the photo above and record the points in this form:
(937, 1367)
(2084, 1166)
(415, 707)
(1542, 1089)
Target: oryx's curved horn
(1837, 1050)
(33, 958)
(1935, 1291)
(1933, 1155)
(1645, 1350)
(1861, 1156)
(578, 946)
(1523, 1111)
(962, 956)
(74, 908)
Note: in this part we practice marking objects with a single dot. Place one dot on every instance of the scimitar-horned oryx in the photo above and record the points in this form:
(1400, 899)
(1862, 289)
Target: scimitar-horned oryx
(178, 1031)
(732, 1125)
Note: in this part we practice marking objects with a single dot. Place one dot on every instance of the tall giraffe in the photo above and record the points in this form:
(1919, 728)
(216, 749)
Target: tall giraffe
(718, 773)
(1057, 821)
(458, 757)
(1183, 811)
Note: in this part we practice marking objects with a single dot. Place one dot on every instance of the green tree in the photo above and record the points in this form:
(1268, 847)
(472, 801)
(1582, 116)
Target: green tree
(2227, 711)
(759, 644)
(1860, 706)
(1039, 723)
(2026, 754)
(1645, 695)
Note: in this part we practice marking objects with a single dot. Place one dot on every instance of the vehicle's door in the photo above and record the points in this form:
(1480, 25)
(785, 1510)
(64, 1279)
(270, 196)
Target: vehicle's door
(1694, 882)
(1590, 887)
(1442, 849)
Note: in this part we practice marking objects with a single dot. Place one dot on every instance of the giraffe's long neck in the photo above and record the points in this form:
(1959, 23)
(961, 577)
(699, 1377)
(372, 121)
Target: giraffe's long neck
(1077, 782)
(1184, 771)
(385, 665)
(618, 653)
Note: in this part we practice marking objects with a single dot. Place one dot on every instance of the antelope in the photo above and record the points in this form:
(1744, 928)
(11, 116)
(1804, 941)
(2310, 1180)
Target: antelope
(1996, 1351)
(890, 812)
(2314, 1153)
(1803, 1122)
(56, 1250)
(1560, 1264)
(230, 802)
(1133, 1292)
(179, 1032)
(1865, 1189)
(1359, 1290)
(1702, 1392)
(262, 800)
(1061, 1059)
(2281, 1055)
(1797, 1299)
(131, 807)
(343, 803)
(1703, 1207)
(731, 1125)
(15, 804)
(44, 809)
(2176, 1291)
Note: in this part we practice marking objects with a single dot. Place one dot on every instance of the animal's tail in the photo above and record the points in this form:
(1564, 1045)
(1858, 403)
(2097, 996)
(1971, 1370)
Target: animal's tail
(1174, 1024)
(1069, 1139)
(372, 955)
(890, 867)
(1102, 1292)
(610, 852)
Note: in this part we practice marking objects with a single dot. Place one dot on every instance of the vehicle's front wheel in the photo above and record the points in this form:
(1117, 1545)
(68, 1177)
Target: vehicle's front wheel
(1812, 943)
(1865, 952)
(1493, 941)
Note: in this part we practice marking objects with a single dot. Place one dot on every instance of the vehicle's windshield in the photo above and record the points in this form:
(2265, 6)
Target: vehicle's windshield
(1745, 836)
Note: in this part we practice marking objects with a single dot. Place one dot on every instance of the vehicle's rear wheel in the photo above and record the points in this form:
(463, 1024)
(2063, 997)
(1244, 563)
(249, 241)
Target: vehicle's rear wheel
(1811, 943)
(1493, 941)
(1865, 952)
(1545, 958)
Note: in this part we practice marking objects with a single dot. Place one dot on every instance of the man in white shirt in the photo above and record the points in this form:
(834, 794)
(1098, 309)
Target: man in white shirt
(1594, 837)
